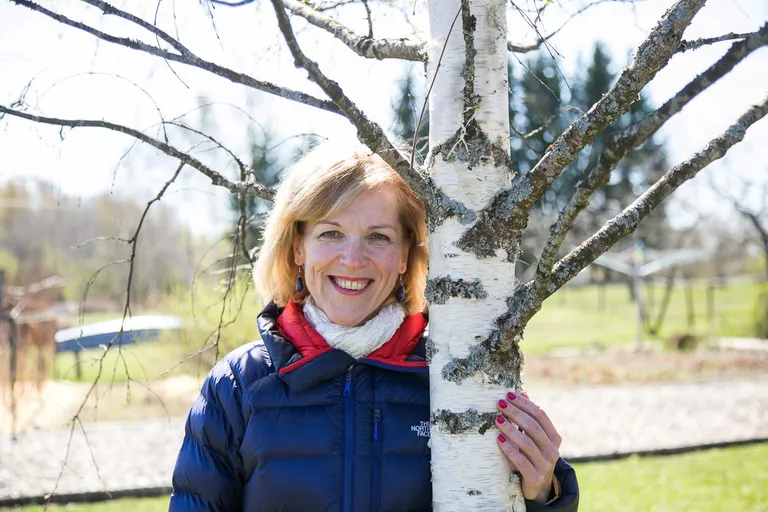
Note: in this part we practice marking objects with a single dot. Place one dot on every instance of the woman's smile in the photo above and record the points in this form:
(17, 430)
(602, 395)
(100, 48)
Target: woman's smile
(350, 286)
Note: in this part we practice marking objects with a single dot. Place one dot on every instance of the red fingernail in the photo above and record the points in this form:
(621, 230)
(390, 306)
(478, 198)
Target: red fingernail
(502, 439)
(511, 396)
(503, 404)
(499, 419)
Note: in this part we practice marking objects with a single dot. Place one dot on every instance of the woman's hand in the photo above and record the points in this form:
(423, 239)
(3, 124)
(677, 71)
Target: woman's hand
(530, 442)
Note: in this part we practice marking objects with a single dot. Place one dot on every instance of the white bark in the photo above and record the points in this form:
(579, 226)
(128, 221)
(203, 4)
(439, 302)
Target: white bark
(455, 323)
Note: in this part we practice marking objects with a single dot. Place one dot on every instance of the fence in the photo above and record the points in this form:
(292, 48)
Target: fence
(26, 346)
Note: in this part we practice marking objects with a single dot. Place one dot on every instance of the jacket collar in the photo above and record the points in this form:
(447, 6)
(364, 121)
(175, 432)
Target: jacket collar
(303, 358)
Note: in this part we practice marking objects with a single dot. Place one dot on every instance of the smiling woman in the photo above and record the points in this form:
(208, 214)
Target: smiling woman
(351, 215)
(330, 411)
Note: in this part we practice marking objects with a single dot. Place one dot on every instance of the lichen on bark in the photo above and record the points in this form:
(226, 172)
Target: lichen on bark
(462, 422)
(497, 356)
(439, 290)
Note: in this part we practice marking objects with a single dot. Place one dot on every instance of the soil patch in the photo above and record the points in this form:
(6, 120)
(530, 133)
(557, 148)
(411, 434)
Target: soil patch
(54, 403)
(618, 366)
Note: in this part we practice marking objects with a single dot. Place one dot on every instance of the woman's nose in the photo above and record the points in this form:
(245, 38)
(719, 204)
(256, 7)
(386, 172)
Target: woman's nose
(353, 255)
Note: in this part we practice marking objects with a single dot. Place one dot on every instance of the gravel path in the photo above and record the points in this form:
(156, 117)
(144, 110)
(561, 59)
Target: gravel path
(593, 421)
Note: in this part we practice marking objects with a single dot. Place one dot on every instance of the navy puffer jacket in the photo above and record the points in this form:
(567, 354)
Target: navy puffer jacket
(291, 424)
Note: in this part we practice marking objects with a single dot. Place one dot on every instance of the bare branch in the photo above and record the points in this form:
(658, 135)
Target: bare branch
(114, 11)
(217, 179)
(541, 39)
(698, 43)
(501, 223)
(626, 140)
(627, 221)
(370, 133)
(370, 18)
(191, 60)
(365, 46)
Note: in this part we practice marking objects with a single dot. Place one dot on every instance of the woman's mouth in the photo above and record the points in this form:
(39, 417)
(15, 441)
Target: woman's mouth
(350, 286)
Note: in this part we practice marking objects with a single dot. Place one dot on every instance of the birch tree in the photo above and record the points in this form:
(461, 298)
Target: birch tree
(478, 207)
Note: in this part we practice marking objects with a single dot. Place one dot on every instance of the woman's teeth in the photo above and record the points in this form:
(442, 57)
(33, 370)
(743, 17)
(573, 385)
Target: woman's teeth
(350, 285)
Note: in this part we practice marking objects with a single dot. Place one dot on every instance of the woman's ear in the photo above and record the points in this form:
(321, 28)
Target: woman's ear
(403, 263)
(298, 250)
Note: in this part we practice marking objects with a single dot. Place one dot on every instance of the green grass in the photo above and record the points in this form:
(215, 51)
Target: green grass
(572, 318)
(121, 505)
(710, 481)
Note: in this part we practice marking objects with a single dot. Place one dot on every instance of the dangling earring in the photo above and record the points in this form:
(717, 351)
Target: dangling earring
(299, 283)
(400, 290)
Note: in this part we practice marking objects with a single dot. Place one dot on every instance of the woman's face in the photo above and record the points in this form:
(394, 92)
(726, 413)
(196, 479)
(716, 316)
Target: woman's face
(352, 260)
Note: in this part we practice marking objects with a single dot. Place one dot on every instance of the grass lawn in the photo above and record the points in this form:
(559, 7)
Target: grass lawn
(121, 505)
(143, 361)
(572, 317)
(711, 481)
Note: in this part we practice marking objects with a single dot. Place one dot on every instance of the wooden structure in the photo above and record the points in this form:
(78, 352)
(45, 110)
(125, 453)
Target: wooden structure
(26, 341)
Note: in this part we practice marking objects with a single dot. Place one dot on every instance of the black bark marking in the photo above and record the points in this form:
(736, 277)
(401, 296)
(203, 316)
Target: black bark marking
(440, 289)
(461, 422)
(498, 357)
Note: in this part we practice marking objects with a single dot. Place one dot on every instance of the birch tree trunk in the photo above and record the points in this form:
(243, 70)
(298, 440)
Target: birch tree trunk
(469, 162)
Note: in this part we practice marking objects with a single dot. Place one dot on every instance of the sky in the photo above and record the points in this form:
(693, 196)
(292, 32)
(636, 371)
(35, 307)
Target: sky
(73, 75)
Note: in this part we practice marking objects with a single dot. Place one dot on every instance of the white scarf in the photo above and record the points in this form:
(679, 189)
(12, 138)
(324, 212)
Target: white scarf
(357, 341)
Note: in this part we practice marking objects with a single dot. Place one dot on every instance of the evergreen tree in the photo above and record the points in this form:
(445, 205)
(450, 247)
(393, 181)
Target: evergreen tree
(542, 103)
(266, 166)
(406, 106)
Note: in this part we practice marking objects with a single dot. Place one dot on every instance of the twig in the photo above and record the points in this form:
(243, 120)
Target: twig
(114, 11)
(370, 19)
(698, 43)
(191, 60)
(521, 48)
(216, 178)
(431, 84)
(365, 46)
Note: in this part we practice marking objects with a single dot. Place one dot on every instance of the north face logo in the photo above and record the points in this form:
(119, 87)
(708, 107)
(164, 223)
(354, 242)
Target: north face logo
(422, 430)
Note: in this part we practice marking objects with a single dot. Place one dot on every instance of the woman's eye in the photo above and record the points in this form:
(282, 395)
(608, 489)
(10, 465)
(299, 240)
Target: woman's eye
(330, 234)
(379, 237)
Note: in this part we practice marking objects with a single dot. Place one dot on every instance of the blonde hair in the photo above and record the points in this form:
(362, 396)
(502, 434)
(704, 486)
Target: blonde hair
(319, 186)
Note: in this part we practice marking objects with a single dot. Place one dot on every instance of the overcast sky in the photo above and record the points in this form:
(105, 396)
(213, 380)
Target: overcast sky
(73, 76)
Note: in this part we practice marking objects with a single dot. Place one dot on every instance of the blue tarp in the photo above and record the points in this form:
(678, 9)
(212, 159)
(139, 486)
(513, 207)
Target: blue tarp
(134, 329)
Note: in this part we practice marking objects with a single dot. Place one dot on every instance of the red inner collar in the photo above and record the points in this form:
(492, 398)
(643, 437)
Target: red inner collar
(294, 327)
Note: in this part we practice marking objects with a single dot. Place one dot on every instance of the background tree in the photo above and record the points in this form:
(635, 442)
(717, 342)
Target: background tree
(477, 214)
(407, 108)
(76, 237)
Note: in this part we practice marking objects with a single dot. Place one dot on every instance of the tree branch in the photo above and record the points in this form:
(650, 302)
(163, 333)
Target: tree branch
(188, 59)
(698, 43)
(365, 46)
(217, 179)
(626, 140)
(368, 131)
(627, 221)
(502, 222)
(520, 48)
(114, 11)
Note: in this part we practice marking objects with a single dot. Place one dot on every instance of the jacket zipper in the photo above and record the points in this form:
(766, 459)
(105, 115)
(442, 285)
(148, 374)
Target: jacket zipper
(349, 440)
(377, 462)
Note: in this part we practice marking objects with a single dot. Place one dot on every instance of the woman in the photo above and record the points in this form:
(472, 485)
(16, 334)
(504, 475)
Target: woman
(312, 417)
